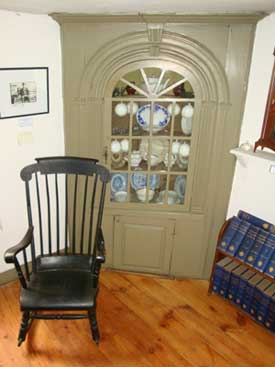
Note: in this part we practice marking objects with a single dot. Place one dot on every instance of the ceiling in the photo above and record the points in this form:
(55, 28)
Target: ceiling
(135, 6)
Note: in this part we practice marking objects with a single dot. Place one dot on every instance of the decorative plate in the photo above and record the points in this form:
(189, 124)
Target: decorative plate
(119, 182)
(179, 186)
(161, 117)
(139, 181)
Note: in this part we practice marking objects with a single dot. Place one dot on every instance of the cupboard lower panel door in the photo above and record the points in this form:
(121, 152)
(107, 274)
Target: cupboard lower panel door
(143, 244)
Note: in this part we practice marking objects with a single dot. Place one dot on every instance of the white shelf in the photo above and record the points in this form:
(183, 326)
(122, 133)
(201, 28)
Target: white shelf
(243, 154)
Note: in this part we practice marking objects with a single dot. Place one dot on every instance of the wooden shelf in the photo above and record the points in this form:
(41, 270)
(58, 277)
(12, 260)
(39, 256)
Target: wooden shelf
(220, 254)
(246, 265)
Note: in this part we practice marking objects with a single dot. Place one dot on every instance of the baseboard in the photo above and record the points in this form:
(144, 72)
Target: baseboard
(8, 276)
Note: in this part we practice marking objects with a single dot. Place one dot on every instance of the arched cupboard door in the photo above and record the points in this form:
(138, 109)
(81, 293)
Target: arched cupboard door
(151, 134)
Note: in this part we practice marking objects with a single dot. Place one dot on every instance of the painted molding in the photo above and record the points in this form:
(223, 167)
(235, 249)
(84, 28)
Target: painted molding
(155, 32)
(125, 54)
(241, 18)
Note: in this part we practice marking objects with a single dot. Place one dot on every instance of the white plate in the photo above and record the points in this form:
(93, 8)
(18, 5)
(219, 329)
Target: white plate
(161, 117)
(119, 182)
(179, 186)
(139, 181)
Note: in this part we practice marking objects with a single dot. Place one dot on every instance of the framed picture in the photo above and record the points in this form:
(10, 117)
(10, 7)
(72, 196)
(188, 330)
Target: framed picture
(24, 91)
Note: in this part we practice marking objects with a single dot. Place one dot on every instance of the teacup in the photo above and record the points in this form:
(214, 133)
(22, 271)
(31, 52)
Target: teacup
(184, 150)
(115, 146)
(141, 194)
(120, 196)
(124, 144)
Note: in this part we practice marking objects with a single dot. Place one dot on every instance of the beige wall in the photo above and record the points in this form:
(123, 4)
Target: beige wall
(27, 40)
(253, 187)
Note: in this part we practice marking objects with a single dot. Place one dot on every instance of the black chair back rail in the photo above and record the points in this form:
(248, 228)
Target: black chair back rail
(63, 188)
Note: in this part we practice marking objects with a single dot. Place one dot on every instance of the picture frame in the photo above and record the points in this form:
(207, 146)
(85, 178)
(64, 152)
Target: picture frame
(24, 91)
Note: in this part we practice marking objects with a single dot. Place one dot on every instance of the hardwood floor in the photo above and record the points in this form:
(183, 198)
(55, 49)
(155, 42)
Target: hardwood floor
(144, 321)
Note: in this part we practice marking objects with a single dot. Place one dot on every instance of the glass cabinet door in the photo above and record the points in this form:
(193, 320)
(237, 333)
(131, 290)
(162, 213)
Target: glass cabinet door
(151, 136)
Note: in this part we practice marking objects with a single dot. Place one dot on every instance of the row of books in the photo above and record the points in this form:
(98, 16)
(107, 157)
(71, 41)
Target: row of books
(247, 289)
(251, 240)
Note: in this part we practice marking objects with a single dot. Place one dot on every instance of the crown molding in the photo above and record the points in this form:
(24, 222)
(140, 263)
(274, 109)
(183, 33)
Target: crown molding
(226, 18)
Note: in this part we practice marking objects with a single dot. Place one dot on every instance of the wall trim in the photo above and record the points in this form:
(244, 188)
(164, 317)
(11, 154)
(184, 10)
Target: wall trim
(8, 276)
(242, 18)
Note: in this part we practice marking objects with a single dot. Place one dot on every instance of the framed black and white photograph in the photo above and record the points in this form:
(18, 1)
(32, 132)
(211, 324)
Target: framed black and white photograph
(24, 91)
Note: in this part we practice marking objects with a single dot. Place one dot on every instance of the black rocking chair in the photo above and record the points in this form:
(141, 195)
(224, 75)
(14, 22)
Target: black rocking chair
(65, 260)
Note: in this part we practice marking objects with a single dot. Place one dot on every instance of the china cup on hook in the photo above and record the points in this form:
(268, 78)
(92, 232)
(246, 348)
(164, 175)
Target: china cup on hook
(121, 109)
(187, 111)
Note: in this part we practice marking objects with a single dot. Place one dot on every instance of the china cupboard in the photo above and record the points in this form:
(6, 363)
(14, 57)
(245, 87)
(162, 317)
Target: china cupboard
(158, 99)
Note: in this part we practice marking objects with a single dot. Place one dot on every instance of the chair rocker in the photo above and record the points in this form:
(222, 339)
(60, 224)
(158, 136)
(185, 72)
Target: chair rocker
(67, 245)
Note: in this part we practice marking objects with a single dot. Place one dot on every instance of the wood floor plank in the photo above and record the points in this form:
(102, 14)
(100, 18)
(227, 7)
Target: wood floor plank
(198, 316)
(144, 322)
(161, 318)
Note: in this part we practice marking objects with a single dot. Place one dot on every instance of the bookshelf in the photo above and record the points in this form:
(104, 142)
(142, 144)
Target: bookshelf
(221, 254)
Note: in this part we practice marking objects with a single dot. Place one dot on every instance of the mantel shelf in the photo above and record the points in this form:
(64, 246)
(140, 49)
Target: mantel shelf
(243, 154)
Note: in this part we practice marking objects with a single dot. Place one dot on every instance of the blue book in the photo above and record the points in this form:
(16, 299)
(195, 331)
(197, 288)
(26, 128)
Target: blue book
(265, 254)
(226, 277)
(256, 248)
(238, 237)
(249, 291)
(229, 233)
(218, 274)
(270, 268)
(264, 304)
(244, 278)
(234, 281)
(270, 315)
(256, 221)
(257, 296)
(247, 242)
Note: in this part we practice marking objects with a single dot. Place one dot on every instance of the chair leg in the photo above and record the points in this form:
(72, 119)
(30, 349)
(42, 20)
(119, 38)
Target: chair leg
(94, 325)
(24, 327)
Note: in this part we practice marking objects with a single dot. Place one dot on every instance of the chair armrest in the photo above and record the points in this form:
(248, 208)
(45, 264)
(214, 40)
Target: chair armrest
(11, 253)
(100, 247)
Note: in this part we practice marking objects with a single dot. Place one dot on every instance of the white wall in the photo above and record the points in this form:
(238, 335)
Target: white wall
(28, 41)
(253, 187)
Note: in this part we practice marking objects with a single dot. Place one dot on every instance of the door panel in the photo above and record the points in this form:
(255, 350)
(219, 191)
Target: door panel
(143, 244)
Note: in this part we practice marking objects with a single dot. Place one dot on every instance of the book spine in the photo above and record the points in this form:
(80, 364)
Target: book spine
(265, 254)
(225, 283)
(217, 278)
(247, 297)
(256, 248)
(270, 317)
(270, 268)
(256, 298)
(256, 221)
(233, 286)
(229, 233)
(240, 292)
(238, 238)
(263, 308)
(247, 243)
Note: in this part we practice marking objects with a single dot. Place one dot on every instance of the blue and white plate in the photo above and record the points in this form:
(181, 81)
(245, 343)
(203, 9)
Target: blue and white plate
(161, 117)
(179, 186)
(119, 182)
(139, 181)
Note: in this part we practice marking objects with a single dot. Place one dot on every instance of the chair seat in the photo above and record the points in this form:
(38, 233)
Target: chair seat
(59, 290)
